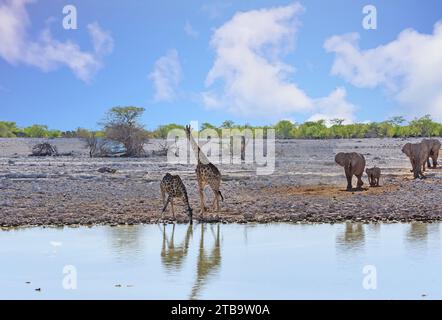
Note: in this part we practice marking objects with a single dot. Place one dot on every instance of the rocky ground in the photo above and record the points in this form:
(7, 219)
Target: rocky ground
(306, 186)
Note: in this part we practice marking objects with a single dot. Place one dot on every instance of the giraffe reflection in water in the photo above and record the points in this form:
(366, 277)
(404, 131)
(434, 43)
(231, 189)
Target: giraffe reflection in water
(173, 256)
(208, 262)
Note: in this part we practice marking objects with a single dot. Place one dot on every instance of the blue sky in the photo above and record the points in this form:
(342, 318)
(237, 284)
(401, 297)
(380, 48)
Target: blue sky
(249, 61)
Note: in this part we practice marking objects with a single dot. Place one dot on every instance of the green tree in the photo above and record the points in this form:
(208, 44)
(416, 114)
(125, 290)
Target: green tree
(54, 133)
(397, 120)
(162, 131)
(337, 122)
(207, 125)
(36, 131)
(8, 129)
(122, 125)
(424, 127)
(284, 129)
(227, 124)
(312, 130)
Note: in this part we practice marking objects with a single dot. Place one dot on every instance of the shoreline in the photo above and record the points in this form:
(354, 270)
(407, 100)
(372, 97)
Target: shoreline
(220, 220)
(306, 187)
(312, 204)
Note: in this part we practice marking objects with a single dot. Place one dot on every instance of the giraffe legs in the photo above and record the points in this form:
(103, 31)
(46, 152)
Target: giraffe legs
(163, 194)
(201, 194)
(215, 200)
(202, 202)
(169, 199)
(163, 197)
(208, 175)
(165, 206)
(172, 209)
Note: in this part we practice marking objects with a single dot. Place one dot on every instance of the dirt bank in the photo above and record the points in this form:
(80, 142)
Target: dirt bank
(305, 187)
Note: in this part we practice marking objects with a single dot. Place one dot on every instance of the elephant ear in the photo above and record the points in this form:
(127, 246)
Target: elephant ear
(437, 145)
(407, 149)
(426, 148)
(341, 159)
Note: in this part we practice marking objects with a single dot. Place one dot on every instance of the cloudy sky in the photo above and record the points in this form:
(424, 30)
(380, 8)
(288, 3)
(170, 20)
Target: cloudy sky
(249, 61)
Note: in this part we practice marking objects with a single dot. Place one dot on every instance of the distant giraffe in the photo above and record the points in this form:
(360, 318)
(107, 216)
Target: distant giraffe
(175, 188)
(207, 174)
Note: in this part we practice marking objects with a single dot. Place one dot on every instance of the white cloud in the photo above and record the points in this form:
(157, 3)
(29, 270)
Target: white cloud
(249, 77)
(409, 68)
(248, 62)
(166, 76)
(45, 52)
(190, 30)
(215, 10)
(335, 106)
(102, 41)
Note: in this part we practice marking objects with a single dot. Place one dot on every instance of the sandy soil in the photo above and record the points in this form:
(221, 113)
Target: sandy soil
(307, 186)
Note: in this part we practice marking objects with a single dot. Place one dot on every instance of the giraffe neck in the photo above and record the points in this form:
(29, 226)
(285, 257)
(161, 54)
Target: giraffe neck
(200, 156)
(186, 198)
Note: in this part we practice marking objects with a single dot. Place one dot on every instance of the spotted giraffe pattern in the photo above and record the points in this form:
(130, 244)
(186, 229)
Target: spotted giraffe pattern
(173, 186)
(207, 175)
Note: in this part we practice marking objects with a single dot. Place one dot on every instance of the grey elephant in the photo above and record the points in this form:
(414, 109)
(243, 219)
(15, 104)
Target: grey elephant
(433, 147)
(374, 175)
(418, 153)
(354, 164)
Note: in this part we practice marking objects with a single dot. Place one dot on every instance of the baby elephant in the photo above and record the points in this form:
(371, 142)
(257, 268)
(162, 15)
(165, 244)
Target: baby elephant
(175, 188)
(354, 164)
(373, 176)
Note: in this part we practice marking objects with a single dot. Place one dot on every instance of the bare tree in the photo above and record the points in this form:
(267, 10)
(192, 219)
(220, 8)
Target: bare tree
(44, 149)
(94, 142)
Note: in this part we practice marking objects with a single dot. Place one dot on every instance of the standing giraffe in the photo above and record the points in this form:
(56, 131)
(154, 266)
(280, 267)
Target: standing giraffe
(207, 174)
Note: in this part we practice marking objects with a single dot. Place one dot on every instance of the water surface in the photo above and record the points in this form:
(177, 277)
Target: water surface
(275, 261)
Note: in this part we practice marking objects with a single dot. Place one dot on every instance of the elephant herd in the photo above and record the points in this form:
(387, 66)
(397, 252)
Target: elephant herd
(418, 153)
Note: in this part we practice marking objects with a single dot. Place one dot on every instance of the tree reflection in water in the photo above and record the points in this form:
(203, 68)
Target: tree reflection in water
(126, 241)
